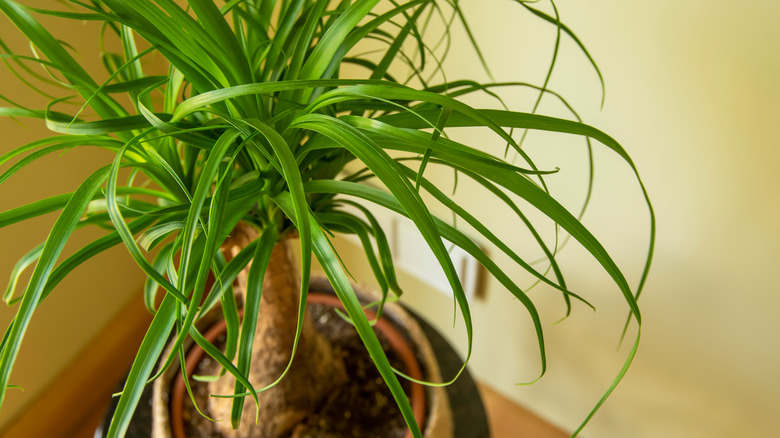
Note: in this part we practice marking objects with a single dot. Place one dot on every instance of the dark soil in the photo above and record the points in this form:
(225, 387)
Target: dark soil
(363, 407)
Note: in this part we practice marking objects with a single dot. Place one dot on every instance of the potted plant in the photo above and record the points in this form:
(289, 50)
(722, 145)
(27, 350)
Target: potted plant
(253, 135)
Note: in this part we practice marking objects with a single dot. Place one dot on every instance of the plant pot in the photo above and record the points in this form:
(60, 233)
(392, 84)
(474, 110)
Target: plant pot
(168, 406)
(465, 419)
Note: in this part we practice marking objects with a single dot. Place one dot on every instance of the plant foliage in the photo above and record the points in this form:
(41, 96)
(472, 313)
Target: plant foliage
(254, 121)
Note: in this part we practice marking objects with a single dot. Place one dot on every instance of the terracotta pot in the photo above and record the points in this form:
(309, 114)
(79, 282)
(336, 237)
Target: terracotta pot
(425, 400)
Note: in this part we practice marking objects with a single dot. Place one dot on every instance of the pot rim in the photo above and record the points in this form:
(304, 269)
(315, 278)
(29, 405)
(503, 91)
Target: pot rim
(398, 343)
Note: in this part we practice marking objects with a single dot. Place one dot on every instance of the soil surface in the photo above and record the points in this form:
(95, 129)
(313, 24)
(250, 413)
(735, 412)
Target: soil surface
(363, 407)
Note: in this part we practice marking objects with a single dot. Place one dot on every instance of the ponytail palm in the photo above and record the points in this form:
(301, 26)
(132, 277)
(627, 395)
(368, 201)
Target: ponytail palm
(251, 124)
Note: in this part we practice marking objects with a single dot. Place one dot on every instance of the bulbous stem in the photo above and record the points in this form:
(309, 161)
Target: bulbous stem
(316, 368)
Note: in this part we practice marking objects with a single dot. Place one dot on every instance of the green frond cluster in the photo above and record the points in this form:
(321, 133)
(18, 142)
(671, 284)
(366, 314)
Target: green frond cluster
(251, 119)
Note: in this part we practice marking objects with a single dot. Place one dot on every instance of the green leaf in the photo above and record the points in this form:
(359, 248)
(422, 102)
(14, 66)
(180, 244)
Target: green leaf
(535, 121)
(69, 15)
(254, 294)
(386, 169)
(226, 275)
(106, 141)
(205, 99)
(208, 173)
(615, 382)
(294, 182)
(34, 114)
(34, 209)
(89, 251)
(440, 124)
(149, 238)
(215, 353)
(59, 56)
(216, 26)
(345, 222)
(150, 350)
(59, 235)
(579, 43)
(22, 264)
(542, 201)
(330, 263)
(330, 42)
(48, 205)
(362, 32)
(124, 231)
(383, 247)
(150, 286)
(492, 238)
(388, 201)
(105, 126)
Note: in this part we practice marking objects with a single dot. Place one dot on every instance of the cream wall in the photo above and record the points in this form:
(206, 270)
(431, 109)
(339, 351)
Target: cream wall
(84, 302)
(692, 94)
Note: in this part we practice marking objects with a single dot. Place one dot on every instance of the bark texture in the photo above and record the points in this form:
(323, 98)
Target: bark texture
(316, 369)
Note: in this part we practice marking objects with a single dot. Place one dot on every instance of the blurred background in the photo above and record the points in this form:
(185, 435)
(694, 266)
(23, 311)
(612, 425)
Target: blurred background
(692, 94)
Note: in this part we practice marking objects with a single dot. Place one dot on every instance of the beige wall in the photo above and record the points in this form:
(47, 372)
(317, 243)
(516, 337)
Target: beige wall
(97, 290)
(692, 94)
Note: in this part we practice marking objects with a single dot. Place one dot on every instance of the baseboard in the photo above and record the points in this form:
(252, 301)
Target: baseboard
(73, 405)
